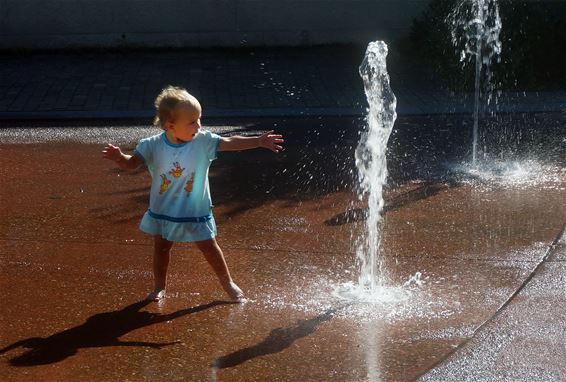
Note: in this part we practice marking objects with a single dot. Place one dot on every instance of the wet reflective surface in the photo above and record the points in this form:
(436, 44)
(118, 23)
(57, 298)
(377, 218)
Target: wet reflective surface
(75, 267)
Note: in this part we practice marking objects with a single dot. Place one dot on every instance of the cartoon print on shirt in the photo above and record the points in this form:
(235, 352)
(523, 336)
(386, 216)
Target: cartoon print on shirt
(177, 171)
(164, 184)
(189, 186)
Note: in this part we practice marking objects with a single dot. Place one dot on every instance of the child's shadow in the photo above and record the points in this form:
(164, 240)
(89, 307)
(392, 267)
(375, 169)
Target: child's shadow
(278, 340)
(103, 329)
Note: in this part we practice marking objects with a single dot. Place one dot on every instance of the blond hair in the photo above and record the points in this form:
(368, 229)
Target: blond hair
(167, 102)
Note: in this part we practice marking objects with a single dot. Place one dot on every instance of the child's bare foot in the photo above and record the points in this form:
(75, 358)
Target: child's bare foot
(234, 292)
(156, 295)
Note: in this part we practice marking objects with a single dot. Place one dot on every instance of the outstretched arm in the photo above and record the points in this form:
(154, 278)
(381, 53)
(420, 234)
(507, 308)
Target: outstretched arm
(128, 162)
(266, 140)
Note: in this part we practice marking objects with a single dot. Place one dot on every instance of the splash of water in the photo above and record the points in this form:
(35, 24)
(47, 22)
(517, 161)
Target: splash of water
(476, 26)
(511, 174)
(371, 160)
(374, 286)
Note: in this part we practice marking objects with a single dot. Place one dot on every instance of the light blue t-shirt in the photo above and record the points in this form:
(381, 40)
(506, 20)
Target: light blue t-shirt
(179, 172)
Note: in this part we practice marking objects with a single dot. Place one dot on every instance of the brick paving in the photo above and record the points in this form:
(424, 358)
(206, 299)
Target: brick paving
(266, 82)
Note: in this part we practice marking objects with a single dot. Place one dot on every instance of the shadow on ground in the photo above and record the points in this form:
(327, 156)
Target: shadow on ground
(100, 330)
(278, 340)
(319, 157)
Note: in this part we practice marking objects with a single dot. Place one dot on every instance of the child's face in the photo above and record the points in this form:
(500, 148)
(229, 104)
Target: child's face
(185, 125)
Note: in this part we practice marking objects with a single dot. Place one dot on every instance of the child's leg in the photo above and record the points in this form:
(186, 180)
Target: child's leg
(161, 256)
(213, 254)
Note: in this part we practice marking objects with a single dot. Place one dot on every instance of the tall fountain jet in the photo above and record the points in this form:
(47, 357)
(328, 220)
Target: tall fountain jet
(371, 161)
(476, 26)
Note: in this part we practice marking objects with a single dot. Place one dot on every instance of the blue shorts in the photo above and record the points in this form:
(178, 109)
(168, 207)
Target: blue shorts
(178, 231)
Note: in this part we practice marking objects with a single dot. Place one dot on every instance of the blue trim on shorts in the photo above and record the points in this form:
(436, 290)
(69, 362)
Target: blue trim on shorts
(200, 219)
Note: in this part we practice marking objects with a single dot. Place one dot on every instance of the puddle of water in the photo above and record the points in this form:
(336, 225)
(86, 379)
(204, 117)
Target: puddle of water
(516, 174)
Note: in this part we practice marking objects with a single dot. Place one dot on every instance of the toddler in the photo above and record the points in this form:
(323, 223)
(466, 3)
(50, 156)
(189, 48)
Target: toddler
(178, 160)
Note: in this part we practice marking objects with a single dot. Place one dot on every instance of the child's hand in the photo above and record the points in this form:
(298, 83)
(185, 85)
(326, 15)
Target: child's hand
(112, 152)
(271, 141)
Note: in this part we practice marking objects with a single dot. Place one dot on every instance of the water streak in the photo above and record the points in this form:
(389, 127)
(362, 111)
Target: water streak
(371, 160)
(475, 27)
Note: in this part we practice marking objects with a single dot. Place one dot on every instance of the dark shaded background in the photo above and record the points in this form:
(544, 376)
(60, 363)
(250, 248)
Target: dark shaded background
(533, 55)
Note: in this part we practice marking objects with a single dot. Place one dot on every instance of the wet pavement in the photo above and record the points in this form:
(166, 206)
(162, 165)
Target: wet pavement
(489, 246)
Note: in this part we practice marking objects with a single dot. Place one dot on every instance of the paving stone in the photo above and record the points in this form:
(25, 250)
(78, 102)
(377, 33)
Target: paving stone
(241, 82)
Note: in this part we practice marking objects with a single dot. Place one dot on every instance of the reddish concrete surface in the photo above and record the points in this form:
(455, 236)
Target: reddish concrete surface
(525, 341)
(75, 268)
